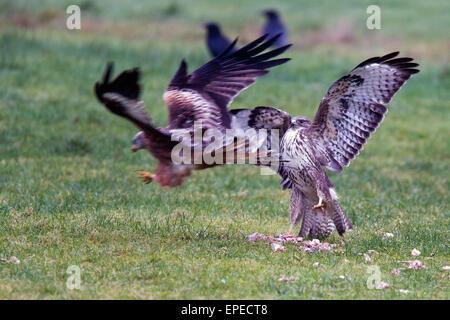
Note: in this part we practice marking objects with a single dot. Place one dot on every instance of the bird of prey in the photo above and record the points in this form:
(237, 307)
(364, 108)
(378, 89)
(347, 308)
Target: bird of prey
(216, 41)
(273, 26)
(351, 110)
(201, 96)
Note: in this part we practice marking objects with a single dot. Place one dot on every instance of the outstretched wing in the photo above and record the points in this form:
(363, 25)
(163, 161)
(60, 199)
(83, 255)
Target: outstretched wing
(274, 120)
(205, 94)
(261, 118)
(121, 97)
(354, 107)
(269, 118)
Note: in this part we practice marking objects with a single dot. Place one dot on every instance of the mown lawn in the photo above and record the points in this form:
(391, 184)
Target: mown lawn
(69, 194)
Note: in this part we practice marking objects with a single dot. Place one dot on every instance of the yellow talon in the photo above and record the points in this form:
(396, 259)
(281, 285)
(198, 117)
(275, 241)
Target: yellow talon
(320, 205)
(146, 177)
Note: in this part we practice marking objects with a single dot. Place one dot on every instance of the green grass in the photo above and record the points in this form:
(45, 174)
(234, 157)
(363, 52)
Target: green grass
(69, 194)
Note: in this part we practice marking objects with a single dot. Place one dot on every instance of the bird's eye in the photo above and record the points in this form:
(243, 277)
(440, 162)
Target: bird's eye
(187, 123)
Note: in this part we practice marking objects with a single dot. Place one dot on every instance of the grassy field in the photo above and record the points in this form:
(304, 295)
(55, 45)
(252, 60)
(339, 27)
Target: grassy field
(69, 194)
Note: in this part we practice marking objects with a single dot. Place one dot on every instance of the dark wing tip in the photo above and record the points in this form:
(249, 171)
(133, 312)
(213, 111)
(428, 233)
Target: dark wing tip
(248, 47)
(250, 55)
(280, 50)
(100, 86)
(407, 65)
(181, 74)
(128, 77)
(378, 59)
(275, 37)
(228, 49)
(389, 56)
(276, 62)
(263, 46)
(98, 90)
(411, 71)
(108, 71)
(404, 64)
(125, 84)
(135, 73)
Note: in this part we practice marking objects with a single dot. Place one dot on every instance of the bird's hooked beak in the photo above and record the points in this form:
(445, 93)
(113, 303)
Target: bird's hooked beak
(138, 142)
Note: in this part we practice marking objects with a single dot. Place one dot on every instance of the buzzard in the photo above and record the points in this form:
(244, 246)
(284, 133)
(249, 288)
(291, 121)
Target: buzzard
(201, 96)
(351, 110)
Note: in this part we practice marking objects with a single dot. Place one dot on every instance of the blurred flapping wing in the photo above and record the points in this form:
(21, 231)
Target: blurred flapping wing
(205, 94)
(121, 97)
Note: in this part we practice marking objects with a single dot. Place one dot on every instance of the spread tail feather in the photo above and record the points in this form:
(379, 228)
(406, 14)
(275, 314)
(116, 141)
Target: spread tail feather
(316, 225)
(339, 218)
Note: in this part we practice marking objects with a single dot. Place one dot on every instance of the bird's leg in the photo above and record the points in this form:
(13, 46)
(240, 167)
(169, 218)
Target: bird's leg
(146, 177)
(319, 205)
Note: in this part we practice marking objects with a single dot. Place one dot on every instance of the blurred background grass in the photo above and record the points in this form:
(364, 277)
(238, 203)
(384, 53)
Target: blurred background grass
(68, 189)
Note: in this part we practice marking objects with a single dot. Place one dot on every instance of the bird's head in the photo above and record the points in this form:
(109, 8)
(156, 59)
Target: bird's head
(300, 122)
(271, 14)
(212, 27)
(138, 141)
